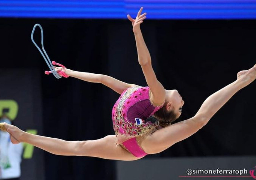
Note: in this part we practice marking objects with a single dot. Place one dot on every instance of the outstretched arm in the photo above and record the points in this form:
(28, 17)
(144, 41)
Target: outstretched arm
(114, 84)
(105, 148)
(172, 134)
(144, 58)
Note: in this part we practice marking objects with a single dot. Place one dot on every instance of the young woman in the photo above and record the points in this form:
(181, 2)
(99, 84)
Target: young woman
(142, 116)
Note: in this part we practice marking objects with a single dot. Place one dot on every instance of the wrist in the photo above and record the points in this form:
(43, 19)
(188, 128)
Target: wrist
(136, 31)
(69, 72)
(239, 84)
(23, 136)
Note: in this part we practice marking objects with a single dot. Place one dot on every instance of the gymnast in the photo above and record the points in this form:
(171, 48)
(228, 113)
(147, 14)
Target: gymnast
(142, 116)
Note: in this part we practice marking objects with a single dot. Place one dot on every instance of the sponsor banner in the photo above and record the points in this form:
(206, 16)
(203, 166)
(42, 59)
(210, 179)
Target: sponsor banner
(20, 99)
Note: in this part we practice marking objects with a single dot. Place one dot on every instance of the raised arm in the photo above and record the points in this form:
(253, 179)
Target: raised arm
(114, 84)
(144, 58)
(166, 137)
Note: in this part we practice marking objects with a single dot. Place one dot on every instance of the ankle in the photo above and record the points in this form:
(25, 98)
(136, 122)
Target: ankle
(23, 136)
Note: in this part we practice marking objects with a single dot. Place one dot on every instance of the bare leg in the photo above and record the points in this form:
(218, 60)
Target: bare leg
(104, 148)
(166, 137)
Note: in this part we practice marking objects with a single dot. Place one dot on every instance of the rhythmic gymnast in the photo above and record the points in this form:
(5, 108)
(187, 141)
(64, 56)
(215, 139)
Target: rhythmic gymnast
(142, 116)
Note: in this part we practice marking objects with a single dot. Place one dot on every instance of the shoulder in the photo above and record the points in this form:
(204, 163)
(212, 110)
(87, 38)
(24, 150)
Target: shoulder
(129, 87)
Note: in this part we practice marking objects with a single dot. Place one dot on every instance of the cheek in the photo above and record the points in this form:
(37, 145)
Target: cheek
(177, 100)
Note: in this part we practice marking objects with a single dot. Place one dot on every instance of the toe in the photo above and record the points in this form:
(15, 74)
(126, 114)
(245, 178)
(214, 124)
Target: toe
(2, 126)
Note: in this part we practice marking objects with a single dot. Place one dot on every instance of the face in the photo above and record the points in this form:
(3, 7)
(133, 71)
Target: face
(174, 101)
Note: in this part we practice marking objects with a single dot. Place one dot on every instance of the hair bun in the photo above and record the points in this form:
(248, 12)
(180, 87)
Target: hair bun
(151, 119)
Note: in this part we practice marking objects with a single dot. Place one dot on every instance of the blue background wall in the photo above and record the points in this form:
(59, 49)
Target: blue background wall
(117, 9)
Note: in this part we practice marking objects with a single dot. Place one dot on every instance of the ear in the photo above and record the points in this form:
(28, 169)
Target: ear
(169, 106)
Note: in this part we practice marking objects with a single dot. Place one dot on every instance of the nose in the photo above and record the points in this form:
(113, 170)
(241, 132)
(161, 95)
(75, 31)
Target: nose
(182, 102)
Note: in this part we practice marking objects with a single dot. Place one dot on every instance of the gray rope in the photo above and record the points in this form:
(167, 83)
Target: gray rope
(43, 53)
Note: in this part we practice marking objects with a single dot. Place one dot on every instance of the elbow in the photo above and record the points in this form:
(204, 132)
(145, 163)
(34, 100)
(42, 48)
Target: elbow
(77, 149)
(81, 149)
(145, 62)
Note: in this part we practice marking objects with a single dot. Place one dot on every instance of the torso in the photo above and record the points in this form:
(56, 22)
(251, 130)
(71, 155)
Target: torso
(130, 112)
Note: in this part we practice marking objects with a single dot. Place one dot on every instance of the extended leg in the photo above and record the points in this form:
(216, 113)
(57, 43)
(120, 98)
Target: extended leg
(102, 148)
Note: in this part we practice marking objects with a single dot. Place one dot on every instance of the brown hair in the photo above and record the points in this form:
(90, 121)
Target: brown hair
(165, 117)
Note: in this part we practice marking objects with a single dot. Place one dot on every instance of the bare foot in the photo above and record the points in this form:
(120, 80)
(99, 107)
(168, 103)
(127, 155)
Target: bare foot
(16, 133)
(247, 76)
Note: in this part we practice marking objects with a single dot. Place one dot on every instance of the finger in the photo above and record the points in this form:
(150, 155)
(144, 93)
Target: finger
(139, 11)
(144, 14)
(139, 22)
(130, 18)
(56, 68)
(242, 72)
(142, 18)
(252, 69)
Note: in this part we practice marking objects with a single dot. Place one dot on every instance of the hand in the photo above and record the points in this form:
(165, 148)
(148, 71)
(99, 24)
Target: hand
(16, 133)
(65, 70)
(139, 19)
(57, 69)
(247, 76)
(62, 70)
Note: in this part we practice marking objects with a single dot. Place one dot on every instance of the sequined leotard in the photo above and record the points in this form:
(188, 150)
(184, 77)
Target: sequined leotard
(129, 114)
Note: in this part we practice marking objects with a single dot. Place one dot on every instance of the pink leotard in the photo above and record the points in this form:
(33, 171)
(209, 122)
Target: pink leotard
(129, 114)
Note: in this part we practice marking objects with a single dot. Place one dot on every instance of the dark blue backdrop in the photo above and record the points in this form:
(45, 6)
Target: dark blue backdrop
(117, 9)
